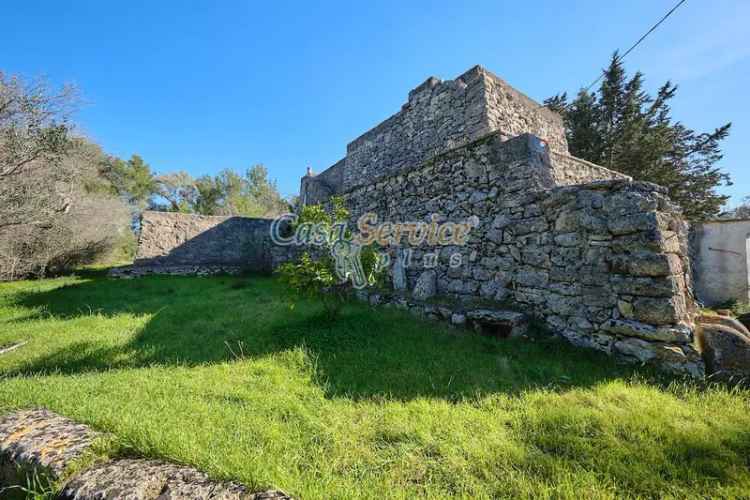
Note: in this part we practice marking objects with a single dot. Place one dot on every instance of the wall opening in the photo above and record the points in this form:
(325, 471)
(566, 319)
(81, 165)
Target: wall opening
(494, 330)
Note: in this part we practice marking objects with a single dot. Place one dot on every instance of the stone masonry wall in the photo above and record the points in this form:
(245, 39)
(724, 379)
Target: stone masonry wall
(512, 113)
(603, 264)
(569, 170)
(174, 240)
(438, 116)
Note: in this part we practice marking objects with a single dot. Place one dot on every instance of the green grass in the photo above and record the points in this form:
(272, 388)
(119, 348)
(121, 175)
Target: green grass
(221, 374)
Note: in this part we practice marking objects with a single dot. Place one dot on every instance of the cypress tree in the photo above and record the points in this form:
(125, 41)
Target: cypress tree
(623, 128)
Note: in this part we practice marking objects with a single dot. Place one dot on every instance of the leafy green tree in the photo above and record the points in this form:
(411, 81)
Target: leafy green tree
(251, 194)
(209, 196)
(623, 128)
(265, 191)
(230, 193)
(133, 180)
(179, 189)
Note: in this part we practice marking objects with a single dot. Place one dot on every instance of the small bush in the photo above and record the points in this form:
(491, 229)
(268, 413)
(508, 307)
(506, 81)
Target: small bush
(314, 274)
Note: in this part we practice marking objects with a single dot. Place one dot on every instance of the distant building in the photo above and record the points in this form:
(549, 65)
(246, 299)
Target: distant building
(721, 268)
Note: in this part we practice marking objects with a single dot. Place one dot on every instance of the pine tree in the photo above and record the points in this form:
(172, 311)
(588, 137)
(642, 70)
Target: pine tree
(623, 128)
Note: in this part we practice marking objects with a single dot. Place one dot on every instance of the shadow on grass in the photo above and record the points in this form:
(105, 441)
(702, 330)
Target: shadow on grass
(366, 353)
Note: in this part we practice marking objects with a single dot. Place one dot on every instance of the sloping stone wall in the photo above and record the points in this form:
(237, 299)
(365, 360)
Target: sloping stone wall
(603, 263)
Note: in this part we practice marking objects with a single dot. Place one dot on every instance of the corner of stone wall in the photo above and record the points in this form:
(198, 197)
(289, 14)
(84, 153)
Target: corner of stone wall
(634, 272)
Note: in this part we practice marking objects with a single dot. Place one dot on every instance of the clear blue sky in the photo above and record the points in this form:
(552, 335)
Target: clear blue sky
(205, 86)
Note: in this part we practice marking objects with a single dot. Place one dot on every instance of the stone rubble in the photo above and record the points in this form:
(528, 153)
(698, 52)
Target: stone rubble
(138, 271)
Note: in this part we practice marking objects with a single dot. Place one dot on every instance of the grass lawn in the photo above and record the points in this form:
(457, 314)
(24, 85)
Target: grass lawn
(221, 374)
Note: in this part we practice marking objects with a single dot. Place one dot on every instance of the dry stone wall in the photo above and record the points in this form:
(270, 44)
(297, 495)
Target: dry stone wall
(438, 116)
(202, 244)
(603, 263)
(602, 260)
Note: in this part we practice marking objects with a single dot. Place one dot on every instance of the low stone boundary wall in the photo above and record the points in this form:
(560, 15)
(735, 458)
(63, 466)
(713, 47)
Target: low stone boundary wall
(141, 270)
(174, 240)
(43, 443)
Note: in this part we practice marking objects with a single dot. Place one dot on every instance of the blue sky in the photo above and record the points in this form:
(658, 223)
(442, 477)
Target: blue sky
(204, 86)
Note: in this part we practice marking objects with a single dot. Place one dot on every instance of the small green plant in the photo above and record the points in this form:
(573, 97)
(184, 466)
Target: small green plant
(36, 487)
(314, 275)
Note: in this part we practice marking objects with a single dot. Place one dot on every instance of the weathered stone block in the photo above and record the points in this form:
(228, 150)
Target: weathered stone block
(647, 332)
(40, 441)
(659, 311)
(727, 352)
(426, 286)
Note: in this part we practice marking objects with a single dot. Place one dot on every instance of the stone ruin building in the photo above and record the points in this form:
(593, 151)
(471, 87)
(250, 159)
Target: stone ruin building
(600, 259)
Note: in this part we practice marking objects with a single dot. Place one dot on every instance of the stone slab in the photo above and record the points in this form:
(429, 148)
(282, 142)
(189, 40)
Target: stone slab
(135, 479)
(43, 441)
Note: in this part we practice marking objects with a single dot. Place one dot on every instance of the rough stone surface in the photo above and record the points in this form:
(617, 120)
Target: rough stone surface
(426, 286)
(442, 115)
(42, 441)
(726, 351)
(399, 273)
(458, 319)
(173, 240)
(153, 480)
(598, 262)
(138, 271)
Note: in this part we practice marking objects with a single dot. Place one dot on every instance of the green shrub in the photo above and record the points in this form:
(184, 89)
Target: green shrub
(315, 275)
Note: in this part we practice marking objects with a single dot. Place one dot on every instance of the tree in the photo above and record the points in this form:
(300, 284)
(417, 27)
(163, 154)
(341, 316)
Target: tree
(179, 189)
(740, 212)
(265, 192)
(230, 193)
(316, 275)
(132, 179)
(34, 124)
(56, 210)
(623, 128)
(34, 134)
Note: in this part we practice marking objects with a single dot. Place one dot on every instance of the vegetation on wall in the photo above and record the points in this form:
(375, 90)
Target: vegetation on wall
(622, 127)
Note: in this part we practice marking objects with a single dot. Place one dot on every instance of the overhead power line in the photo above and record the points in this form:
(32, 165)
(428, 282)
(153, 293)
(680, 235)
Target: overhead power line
(653, 28)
